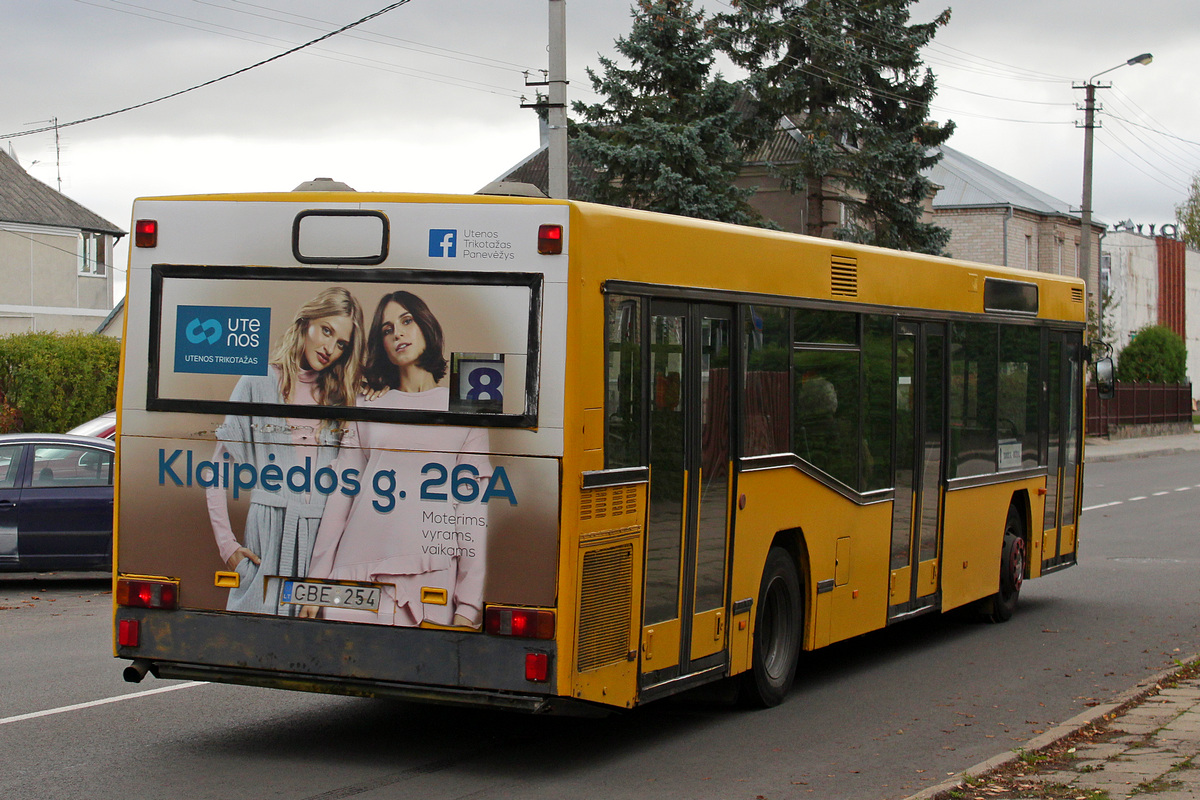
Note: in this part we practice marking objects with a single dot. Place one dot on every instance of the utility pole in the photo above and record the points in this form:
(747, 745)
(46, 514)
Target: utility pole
(556, 111)
(1085, 211)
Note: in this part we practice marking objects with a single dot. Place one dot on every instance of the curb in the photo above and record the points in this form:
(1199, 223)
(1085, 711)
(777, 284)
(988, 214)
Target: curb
(1061, 731)
(1091, 457)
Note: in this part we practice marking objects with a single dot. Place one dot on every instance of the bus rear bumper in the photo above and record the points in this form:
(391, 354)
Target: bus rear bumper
(438, 666)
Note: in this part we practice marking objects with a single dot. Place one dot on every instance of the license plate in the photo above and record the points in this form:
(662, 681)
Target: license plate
(338, 595)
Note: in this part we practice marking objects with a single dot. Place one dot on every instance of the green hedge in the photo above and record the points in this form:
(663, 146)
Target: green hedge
(51, 382)
(1156, 355)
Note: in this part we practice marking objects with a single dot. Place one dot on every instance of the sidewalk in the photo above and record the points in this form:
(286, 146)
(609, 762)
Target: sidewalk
(1097, 449)
(1146, 742)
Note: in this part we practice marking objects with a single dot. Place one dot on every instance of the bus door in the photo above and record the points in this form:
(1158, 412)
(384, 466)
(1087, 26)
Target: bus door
(687, 538)
(1064, 476)
(920, 444)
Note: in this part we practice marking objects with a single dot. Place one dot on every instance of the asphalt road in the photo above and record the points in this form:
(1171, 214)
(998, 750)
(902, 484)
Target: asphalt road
(879, 717)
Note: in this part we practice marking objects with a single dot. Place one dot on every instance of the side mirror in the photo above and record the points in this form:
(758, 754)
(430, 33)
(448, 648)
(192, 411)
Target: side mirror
(1105, 378)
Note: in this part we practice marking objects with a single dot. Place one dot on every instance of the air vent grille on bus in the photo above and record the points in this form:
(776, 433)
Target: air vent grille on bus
(611, 502)
(843, 274)
(605, 605)
(1076, 294)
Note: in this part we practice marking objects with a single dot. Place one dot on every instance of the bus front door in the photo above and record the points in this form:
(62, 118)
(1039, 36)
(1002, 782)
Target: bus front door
(687, 531)
(1064, 472)
(920, 423)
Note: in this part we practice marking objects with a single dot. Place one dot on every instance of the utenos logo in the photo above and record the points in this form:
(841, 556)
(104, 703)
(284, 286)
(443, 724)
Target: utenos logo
(207, 331)
(222, 340)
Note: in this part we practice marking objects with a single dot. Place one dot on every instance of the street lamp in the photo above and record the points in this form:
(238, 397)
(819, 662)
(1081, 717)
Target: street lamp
(1085, 211)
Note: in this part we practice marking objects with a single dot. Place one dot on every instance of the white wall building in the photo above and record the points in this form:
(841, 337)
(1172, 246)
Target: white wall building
(1129, 277)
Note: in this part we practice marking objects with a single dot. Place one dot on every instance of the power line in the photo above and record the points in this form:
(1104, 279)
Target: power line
(419, 47)
(48, 246)
(362, 61)
(1119, 155)
(1169, 158)
(265, 61)
(1162, 133)
(815, 71)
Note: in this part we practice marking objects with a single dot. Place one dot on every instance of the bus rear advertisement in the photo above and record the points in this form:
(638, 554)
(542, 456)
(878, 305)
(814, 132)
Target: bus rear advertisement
(556, 457)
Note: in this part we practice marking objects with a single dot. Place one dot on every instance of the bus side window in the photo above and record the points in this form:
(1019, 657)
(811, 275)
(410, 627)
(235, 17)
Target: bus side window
(1019, 397)
(974, 364)
(766, 347)
(623, 382)
(878, 333)
(826, 381)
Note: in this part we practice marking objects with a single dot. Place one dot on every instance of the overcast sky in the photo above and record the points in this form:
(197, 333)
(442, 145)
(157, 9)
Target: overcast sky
(427, 97)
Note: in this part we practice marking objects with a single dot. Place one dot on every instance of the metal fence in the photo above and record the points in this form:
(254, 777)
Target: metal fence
(1138, 404)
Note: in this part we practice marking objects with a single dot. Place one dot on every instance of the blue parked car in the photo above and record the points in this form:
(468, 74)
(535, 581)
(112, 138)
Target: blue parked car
(56, 502)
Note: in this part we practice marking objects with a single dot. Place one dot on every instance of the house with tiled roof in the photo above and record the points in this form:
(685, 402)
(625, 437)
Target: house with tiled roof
(771, 198)
(55, 257)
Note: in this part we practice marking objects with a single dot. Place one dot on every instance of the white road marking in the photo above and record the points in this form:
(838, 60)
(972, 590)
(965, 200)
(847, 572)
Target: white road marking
(1139, 497)
(62, 710)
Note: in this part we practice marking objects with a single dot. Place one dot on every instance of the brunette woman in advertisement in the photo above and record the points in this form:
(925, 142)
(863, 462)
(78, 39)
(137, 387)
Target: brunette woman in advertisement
(316, 362)
(426, 549)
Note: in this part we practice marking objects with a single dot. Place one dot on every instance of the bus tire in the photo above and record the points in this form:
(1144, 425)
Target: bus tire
(777, 627)
(1012, 568)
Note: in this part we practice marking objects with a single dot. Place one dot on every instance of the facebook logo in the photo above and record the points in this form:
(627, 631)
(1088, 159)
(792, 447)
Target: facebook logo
(443, 243)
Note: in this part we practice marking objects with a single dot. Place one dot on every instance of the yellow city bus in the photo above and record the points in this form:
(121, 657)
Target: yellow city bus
(554, 456)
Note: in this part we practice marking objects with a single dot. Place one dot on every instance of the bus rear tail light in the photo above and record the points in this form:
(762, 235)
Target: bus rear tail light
(138, 593)
(525, 623)
(537, 667)
(128, 633)
(145, 233)
(550, 240)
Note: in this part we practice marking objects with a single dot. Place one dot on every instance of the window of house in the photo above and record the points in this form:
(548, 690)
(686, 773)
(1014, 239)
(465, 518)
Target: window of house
(92, 255)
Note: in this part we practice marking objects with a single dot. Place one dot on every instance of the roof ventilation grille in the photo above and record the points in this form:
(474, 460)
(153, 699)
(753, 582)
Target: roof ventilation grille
(843, 274)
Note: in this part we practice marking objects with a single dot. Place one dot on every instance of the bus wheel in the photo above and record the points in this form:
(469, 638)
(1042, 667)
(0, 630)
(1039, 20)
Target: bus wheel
(776, 633)
(1012, 568)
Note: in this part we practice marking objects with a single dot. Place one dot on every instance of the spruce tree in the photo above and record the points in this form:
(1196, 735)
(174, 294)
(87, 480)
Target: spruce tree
(848, 77)
(666, 137)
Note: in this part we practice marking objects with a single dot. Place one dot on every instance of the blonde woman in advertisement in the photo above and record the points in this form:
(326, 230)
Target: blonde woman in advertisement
(316, 362)
(426, 547)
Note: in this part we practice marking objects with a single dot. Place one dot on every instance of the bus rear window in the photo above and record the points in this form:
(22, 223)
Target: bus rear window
(384, 345)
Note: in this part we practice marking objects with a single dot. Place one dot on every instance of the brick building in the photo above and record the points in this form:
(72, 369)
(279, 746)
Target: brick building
(997, 219)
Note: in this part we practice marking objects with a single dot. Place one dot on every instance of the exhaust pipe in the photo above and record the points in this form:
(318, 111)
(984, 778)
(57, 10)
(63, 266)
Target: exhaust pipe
(136, 671)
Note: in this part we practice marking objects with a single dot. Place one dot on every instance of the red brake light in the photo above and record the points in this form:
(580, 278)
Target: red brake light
(537, 667)
(128, 631)
(526, 623)
(147, 594)
(550, 240)
(145, 233)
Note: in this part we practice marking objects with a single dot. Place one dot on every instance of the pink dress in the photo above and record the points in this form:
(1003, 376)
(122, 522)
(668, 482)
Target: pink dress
(389, 534)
